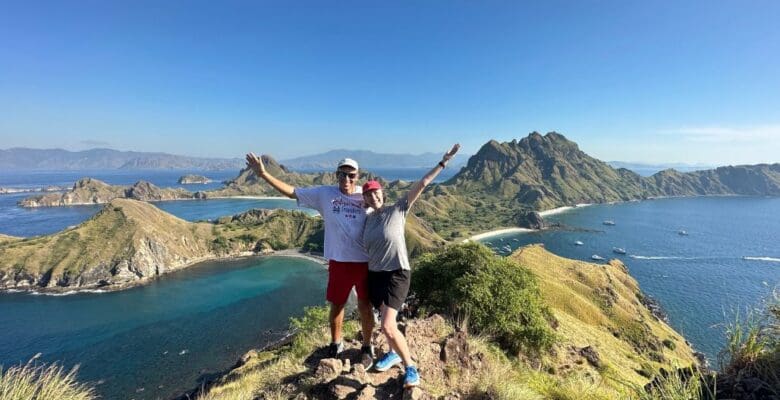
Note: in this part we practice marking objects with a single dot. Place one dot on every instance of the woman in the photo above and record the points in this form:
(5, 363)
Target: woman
(388, 264)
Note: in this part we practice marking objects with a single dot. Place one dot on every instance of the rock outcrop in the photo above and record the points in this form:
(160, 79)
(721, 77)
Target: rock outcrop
(191, 179)
(87, 191)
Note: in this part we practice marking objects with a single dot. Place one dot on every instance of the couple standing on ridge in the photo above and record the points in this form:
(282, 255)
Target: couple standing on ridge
(366, 249)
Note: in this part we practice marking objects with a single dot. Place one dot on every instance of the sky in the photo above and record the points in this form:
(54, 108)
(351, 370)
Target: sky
(644, 81)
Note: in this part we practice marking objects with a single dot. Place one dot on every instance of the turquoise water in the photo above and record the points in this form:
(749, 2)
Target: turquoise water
(158, 340)
(729, 261)
(25, 222)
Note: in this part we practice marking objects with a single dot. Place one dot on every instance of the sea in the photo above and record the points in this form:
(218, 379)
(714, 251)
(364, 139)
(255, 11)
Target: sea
(196, 323)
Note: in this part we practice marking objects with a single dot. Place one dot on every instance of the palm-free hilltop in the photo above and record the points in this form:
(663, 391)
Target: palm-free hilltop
(529, 326)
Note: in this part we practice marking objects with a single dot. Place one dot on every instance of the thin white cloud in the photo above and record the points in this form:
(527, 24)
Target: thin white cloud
(721, 134)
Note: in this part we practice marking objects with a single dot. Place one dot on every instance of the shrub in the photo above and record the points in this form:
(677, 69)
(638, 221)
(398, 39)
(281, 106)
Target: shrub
(308, 328)
(220, 244)
(494, 295)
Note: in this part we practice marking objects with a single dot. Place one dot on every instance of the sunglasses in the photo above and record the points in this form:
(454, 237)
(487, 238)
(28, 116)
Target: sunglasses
(350, 175)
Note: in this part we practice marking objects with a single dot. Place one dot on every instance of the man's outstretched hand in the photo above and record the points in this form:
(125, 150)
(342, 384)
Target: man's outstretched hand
(256, 163)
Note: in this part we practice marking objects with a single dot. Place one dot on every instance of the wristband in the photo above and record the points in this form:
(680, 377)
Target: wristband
(441, 164)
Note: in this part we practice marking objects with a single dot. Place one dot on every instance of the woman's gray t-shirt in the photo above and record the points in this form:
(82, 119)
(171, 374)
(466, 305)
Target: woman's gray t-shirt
(383, 237)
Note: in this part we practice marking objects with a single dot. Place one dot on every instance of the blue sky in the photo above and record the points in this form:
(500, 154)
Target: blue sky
(674, 81)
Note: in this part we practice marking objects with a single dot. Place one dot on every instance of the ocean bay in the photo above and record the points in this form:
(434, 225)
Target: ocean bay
(727, 262)
(190, 323)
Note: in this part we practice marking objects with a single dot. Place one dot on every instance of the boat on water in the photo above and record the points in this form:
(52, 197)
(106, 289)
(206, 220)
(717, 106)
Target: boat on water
(597, 257)
(618, 250)
(609, 222)
(578, 243)
(682, 232)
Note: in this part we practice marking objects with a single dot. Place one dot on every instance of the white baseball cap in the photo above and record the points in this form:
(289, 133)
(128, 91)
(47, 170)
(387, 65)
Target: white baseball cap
(347, 162)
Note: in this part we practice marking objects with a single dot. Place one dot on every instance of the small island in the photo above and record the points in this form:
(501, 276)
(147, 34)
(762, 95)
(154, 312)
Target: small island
(192, 179)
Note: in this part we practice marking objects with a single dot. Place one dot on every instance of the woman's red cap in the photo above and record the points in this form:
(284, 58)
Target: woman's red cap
(371, 185)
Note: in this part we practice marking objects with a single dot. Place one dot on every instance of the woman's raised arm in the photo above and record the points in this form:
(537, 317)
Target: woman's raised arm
(420, 185)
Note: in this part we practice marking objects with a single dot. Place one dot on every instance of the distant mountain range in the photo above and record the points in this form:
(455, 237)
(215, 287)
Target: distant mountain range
(370, 160)
(59, 159)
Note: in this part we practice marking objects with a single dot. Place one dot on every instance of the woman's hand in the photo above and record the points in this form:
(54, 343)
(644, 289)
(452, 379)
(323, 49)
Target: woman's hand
(448, 155)
(256, 163)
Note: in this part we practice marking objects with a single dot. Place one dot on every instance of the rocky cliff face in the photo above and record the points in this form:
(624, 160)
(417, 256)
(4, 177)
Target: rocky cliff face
(92, 191)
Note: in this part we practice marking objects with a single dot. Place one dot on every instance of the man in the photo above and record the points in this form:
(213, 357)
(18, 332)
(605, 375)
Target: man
(341, 208)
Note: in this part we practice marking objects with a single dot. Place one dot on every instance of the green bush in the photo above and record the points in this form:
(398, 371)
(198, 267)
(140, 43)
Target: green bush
(495, 295)
(308, 328)
(220, 244)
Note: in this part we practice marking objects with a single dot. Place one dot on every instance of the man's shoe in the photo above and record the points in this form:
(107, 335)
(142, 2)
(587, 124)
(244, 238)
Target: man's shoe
(367, 357)
(335, 349)
(411, 377)
(388, 360)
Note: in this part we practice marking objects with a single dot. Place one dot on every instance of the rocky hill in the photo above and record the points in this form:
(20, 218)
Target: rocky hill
(87, 191)
(503, 182)
(608, 345)
(129, 242)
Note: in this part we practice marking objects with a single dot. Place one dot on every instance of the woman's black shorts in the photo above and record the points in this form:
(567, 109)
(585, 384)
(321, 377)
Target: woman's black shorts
(389, 287)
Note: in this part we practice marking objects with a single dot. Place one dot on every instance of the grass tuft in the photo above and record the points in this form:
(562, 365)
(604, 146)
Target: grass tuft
(42, 382)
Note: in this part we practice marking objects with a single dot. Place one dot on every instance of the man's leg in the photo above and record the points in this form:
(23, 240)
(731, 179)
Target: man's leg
(336, 322)
(366, 320)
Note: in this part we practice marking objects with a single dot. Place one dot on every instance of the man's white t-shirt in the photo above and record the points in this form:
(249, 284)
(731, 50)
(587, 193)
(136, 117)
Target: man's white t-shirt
(344, 217)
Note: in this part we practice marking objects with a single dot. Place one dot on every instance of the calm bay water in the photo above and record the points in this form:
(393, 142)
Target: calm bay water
(729, 261)
(160, 339)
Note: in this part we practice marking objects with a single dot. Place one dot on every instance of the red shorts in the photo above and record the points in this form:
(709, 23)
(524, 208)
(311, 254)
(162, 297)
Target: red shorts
(342, 276)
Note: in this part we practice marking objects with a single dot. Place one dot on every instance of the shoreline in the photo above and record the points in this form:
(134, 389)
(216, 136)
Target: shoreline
(95, 289)
(543, 214)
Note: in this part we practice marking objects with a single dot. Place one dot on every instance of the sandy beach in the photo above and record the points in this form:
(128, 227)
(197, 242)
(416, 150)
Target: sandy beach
(563, 209)
(545, 213)
(498, 232)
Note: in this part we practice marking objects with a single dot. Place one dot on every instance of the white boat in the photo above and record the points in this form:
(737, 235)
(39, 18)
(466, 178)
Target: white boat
(682, 232)
(609, 222)
(597, 257)
(578, 243)
(618, 250)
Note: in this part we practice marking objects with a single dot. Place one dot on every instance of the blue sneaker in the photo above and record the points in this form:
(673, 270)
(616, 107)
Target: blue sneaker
(411, 377)
(387, 361)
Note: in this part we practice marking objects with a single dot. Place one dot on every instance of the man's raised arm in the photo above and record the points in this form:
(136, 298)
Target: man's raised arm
(256, 164)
